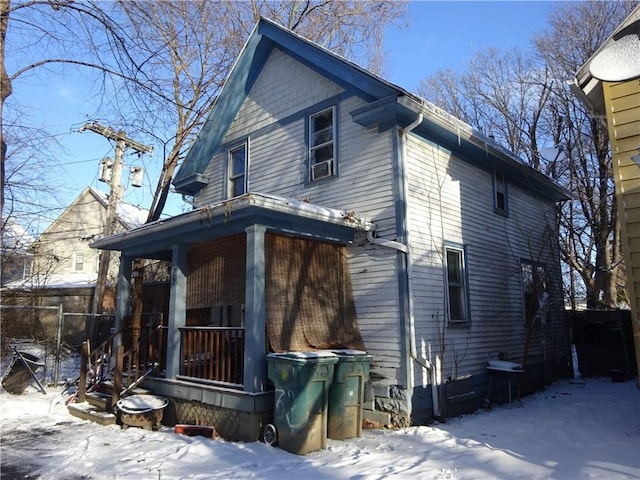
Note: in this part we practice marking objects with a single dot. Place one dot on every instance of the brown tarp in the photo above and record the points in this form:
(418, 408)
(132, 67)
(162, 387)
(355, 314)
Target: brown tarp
(309, 297)
(309, 301)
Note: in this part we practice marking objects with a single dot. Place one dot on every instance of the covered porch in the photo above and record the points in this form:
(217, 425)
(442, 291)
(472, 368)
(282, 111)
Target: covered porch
(250, 275)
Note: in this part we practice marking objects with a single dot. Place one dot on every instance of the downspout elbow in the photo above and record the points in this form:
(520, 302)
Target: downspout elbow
(401, 247)
(189, 201)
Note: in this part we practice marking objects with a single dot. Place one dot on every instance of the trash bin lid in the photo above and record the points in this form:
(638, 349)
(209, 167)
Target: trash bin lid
(30, 358)
(305, 357)
(349, 352)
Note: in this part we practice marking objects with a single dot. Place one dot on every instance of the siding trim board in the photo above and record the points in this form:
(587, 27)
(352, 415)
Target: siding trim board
(236, 87)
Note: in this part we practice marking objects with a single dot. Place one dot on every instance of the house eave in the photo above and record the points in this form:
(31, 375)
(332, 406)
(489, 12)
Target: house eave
(446, 130)
(233, 216)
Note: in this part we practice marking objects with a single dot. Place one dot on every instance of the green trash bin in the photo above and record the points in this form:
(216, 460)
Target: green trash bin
(301, 381)
(346, 394)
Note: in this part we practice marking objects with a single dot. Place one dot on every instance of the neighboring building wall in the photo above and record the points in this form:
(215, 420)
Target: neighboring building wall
(622, 101)
(64, 247)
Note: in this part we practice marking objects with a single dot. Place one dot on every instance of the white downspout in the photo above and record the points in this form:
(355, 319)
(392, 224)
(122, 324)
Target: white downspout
(412, 325)
(405, 249)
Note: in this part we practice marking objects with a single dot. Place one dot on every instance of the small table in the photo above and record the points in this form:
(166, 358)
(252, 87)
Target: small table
(508, 374)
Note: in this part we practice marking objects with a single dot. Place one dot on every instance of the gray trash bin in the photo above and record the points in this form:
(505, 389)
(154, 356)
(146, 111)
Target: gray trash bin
(346, 395)
(301, 381)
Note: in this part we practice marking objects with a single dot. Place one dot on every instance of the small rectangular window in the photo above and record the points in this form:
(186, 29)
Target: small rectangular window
(499, 193)
(322, 135)
(456, 285)
(78, 262)
(237, 171)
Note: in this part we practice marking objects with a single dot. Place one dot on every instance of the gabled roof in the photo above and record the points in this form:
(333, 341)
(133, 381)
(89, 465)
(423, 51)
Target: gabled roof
(15, 237)
(128, 215)
(389, 105)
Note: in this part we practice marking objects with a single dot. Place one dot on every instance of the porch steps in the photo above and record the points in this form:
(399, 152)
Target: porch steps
(86, 411)
(97, 406)
(101, 401)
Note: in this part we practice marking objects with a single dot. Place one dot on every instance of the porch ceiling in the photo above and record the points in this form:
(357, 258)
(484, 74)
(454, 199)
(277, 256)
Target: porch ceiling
(289, 217)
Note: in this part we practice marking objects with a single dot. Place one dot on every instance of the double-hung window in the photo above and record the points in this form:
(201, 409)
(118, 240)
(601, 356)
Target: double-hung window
(78, 262)
(322, 144)
(237, 170)
(456, 278)
(500, 203)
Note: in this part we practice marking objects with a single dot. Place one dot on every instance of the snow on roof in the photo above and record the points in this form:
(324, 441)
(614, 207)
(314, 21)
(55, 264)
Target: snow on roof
(56, 280)
(131, 215)
(15, 237)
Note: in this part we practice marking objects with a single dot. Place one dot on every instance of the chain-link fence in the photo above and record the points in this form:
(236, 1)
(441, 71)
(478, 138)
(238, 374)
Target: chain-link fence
(52, 336)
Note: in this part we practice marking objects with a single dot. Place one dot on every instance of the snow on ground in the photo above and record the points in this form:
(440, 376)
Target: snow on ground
(587, 429)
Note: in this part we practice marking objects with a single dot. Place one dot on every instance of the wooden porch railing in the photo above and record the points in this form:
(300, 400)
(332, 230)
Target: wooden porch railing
(213, 354)
(126, 367)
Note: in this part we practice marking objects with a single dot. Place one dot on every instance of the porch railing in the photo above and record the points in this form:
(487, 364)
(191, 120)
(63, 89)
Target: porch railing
(127, 365)
(214, 354)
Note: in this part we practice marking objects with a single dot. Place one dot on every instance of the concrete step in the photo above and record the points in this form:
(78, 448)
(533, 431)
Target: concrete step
(86, 411)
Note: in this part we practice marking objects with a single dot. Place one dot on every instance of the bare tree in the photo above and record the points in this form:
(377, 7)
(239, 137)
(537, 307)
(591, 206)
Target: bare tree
(157, 66)
(184, 51)
(523, 102)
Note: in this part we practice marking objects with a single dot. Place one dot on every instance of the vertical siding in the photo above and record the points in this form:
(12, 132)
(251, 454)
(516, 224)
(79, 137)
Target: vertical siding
(451, 200)
(622, 101)
(365, 186)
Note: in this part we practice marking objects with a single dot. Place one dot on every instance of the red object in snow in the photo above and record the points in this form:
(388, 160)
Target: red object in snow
(196, 430)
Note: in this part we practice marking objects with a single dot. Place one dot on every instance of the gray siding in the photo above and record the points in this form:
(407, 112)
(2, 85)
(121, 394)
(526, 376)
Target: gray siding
(364, 186)
(451, 200)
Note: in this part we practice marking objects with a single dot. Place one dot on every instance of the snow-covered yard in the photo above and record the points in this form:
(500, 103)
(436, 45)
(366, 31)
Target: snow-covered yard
(573, 430)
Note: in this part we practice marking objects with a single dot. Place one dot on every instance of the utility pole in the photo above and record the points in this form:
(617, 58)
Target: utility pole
(115, 196)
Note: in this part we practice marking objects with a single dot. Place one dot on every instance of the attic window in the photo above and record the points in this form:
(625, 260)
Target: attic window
(500, 204)
(78, 262)
(322, 140)
(237, 170)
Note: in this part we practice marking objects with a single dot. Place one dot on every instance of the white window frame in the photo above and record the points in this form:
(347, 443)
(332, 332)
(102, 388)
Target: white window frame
(78, 258)
(500, 197)
(232, 177)
(459, 284)
(330, 163)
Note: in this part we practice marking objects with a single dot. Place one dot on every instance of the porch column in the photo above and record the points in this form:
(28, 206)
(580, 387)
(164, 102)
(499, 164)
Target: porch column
(177, 308)
(255, 372)
(123, 298)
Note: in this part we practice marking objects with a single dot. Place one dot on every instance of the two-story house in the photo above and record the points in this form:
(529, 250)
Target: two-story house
(335, 209)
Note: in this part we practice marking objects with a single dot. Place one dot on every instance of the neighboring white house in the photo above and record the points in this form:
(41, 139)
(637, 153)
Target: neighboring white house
(335, 209)
(62, 256)
(16, 259)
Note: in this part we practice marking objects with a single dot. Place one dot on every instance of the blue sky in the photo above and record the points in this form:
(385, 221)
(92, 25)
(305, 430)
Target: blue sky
(439, 35)
(446, 34)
